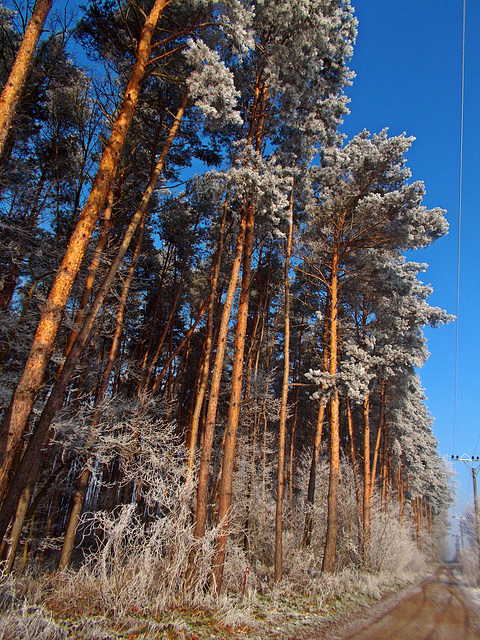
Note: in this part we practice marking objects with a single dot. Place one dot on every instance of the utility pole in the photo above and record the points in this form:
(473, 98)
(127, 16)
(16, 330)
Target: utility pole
(461, 520)
(473, 464)
(457, 545)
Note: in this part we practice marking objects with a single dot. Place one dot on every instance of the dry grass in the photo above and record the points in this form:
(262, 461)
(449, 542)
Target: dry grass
(133, 581)
(132, 586)
(282, 613)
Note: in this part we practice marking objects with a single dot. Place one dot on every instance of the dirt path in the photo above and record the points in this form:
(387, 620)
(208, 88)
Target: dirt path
(437, 609)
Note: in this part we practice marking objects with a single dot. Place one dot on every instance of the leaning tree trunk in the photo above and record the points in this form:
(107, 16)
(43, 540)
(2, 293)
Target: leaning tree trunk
(25, 394)
(17, 527)
(230, 437)
(81, 491)
(16, 80)
(10, 276)
(143, 389)
(92, 272)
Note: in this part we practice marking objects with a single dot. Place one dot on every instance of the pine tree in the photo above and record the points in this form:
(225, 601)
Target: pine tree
(363, 205)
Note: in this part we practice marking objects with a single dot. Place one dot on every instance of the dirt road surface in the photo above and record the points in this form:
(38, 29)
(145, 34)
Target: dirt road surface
(437, 609)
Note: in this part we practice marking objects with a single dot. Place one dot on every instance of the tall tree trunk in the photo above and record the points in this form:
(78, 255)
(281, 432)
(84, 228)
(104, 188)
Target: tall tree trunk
(18, 74)
(74, 518)
(282, 428)
(309, 519)
(353, 456)
(25, 394)
(225, 490)
(247, 212)
(292, 450)
(17, 527)
(263, 285)
(317, 439)
(366, 481)
(230, 436)
(401, 493)
(208, 347)
(260, 415)
(203, 473)
(378, 440)
(385, 466)
(329, 555)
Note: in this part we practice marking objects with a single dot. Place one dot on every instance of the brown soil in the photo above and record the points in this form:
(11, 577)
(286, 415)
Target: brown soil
(436, 609)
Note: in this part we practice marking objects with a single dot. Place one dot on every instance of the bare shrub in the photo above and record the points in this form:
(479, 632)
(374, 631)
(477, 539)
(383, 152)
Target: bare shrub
(140, 552)
(468, 556)
(393, 548)
(138, 568)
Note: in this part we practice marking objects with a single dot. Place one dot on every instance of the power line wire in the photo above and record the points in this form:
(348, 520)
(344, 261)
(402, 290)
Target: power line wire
(460, 185)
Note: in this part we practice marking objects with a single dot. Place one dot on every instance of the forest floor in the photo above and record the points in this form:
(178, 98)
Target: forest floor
(261, 617)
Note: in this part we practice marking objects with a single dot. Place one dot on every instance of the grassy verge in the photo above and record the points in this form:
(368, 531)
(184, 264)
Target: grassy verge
(39, 609)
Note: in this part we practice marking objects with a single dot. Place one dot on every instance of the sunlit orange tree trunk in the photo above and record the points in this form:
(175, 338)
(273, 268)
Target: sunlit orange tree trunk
(18, 74)
(24, 396)
(317, 438)
(81, 491)
(230, 436)
(329, 555)
(201, 508)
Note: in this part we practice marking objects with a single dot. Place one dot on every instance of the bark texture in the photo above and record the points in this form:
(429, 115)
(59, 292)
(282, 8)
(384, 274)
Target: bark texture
(18, 75)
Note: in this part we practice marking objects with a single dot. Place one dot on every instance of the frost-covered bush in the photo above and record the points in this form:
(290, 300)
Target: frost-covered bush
(393, 547)
(469, 566)
(137, 567)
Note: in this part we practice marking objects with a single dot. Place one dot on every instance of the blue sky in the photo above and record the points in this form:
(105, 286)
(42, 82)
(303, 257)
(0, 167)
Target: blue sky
(408, 61)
